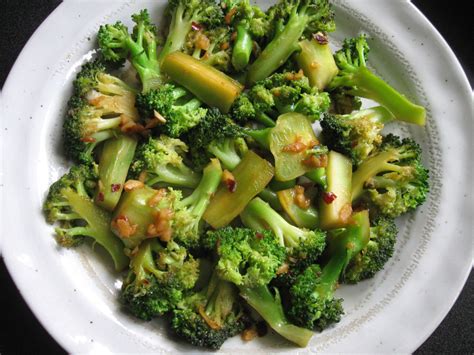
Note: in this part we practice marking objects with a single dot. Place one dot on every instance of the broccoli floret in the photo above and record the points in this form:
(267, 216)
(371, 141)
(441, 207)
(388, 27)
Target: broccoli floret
(313, 303)
(393, 178)
(187, 226)
(278, 94)
(383, 235)
(250, 260)
(357, 134)
(183, 14)
(291, 19)
(211, 46)
(356, 79)
(117, 44)
(209, 317)
(101, 103)
(304, 246)
(177, 110)
(343, 103)
(69, 204)
(217, 135)
(249, 23)
(162, 160)
(158, 279)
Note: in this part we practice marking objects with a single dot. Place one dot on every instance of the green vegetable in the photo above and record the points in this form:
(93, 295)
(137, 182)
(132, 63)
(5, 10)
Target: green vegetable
(335, 204)
(303, 245)
(250, 259)
(69, 204)
(115, 159)
(357, 134)
(251, 176)
(358, 80)
(313, 303)
(393, 178)
(140, 47)
(207, 83)
(291, 129)
(291, 19)
(304, 218)
(158, 279)
(317, 61)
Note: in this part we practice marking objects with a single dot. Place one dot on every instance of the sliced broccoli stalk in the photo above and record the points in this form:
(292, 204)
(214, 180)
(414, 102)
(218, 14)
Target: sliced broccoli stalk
(393, 179)
(69, 204)
(158, 279)
(140, 47)
(355, 78)
(293, 18)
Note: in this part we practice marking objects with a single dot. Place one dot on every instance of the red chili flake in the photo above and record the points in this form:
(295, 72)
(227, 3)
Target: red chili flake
(329, 197)
(100, 197)
(259, 235)
(115, 187)
(321, 38)
(231, 185)
(196, 26)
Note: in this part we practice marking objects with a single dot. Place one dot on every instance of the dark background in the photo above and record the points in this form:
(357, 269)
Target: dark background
(20, 332)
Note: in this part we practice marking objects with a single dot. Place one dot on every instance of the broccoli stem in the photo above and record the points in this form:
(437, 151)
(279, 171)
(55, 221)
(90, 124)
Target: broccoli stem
(115, 159)
(368, 85)
(242, 48)
(178, 176)
(226, 152)
(287, 234)
(271, 309)
(199, 199)
(261, 136)
(264, 119)
(318, 176)
(271, 197)
(98, 227)
(277, 52)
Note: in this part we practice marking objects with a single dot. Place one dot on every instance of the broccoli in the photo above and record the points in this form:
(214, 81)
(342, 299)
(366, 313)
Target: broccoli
(371, 259)
(217, 135)
(356, 79)
(140, 47)
(304, 246)
(313, 303)
(185, 14)
(249, 23)
(250, 259)
(101, 103)
(393, 178)
(357, 134)
(70, 204)
(173, 108)
(211, 47)
(291, 19)
(343, 103)
(209, 317)
(162, 160)
(188, 211)
(158, 279)
(278, 94)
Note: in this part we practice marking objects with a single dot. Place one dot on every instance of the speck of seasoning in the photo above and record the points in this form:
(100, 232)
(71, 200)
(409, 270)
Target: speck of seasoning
(422, 44)
(6, 129)
(92, 340)
(88, 38)
(31, 117)
(36, 270)
(41, 105)
(445, 80)
(91, 322)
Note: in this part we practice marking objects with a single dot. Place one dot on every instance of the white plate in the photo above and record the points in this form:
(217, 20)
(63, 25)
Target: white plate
(73, 294)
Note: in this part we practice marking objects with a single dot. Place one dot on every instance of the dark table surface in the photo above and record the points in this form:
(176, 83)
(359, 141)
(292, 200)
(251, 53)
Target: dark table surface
(20, 331)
